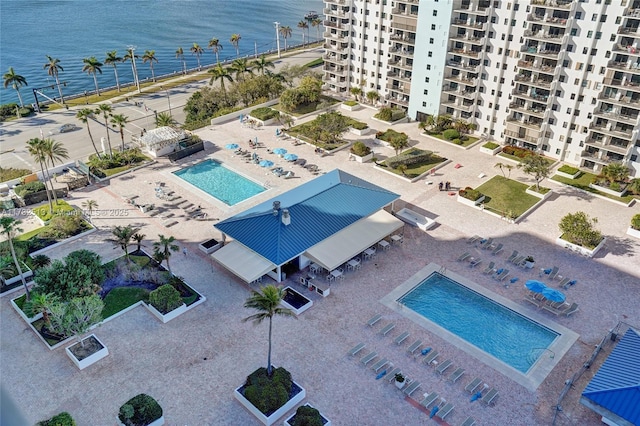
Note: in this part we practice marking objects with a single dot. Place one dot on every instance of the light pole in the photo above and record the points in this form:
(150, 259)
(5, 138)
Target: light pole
(277, 24)
(168, 100)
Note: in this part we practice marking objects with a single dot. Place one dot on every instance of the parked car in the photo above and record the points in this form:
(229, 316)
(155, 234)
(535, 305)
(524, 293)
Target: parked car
(63, 129)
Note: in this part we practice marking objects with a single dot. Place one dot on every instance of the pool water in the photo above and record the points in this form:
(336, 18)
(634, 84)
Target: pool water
(220, 182)
(488, 325)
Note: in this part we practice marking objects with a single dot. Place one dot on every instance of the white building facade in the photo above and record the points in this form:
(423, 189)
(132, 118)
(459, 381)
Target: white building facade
(559, 77)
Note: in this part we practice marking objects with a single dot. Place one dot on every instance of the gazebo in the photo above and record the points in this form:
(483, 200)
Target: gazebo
(161, 141)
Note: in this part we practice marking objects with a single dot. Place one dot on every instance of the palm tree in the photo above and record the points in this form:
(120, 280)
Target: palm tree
(356, 91)
(220, 73)
(35, 147)
(267, 303)
(180, 56)
(138, 237)
(235, 41)
(40, 303)
(90, 206)
(285, 32)
(92, 66)
(112, 59)
(263, 63)
(150, 56)
(130, 56)
(53, 67)
(84, 115)
(105, 110)
(122, 237)
(54, 151)
(40, 261)
(241, 66)
(372, 96)
(215, 46)
(119, 120)
(317, 23)
(198, 51)
(303, 25)
(10, 227)
(16, 81)
(164, 119)
(501, 167)
(162, 249)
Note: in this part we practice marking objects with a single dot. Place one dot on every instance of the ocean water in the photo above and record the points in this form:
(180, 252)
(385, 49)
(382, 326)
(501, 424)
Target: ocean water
(71, 30)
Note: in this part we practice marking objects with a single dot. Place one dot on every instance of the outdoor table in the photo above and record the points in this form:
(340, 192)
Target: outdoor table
(396, 238)
(315, 268)
(384, 245)
(336, 273)
(353, 264)
(368, 253)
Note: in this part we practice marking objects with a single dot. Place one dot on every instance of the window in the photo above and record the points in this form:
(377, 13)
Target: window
(580, 98)
(554, 107)
(576, 112)
(589, 34)
(428, 67)
(574, 31)
(573, 96)
(564, 125)
(426, 79)
(435, 13)
(594, 17)
(594, 52)
(424, 104)
(570, 48)
(425, 92)
(585, 50)
(433, 27)
(568, 112)
(578, 15)
(603, 18)
(613, 37)
(430, 54)
(598, 35)
(431, 40)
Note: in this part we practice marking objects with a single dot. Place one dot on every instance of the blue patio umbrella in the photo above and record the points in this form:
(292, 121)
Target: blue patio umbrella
(290, 157)
(535, 286)
(266, 163)
(231, 146)
(280, 151)
(553, 294)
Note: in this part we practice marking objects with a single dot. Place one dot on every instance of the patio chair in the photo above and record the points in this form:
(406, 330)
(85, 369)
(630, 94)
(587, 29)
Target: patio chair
(489, 269)
(474, 239)
(489, 397)
(570, 310)
(553, 273)
(497, 249)
(401, 338)
(412, 388)
(469, 421)
(387, 328)
(440, 369)
(564, 282)
(463, 256)
(374, 319)
(445, 410)
(429, 399)
(531, 298)
(357, 348)
(500, 274)
(380, 365)
(392, 375)
(513, 256)
(414, 347)
(458, 372)
(518, 260)
(368, 357)
(473, 385)
(569, 284)
(430, 357)
(486, 243)
(475, 262)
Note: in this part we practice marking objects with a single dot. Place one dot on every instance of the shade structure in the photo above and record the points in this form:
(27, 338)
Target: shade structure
(280, 151)
(535, 286)
(231, 146)
(553, 295)
(266, 163)
(242, 261)
(290, 157)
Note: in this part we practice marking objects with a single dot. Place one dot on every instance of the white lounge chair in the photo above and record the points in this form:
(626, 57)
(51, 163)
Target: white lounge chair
(429, 399)
(412, 388)
(380, 365)
(445, 410)
(463, 257)
(473, 385)
(489, 397)
(374, 320)
(469, 421)
(441, 368)
(489, 269)
(430, 357)
(357, 348)
(401, 338)
(456, 374)
(387, 328)
(414, 347)
(368, 357)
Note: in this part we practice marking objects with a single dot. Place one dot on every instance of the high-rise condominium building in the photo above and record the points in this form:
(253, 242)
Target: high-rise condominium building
(559, 77)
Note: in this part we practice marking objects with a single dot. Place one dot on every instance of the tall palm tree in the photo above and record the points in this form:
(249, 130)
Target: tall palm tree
(10, 227)
(35, 147)
(317, 23)
(303, 26)
(90, 206)
(198, 51)
(222, 74)
(54, 151)
(262, 63)
(180, 56)
(84, 115)
(105, 110)
(40, 303)
(150, 56)
(131, 56)
(164, 247)
(122, 237)
(235, 41)
(285, 32)
(138, 237)
(215, 46)
(92, 66)
(164, 119)
(241, 67)
(16, 81)
(267, 303)
(119, 121)
(53, 67)
(112, 59)
(356, 91)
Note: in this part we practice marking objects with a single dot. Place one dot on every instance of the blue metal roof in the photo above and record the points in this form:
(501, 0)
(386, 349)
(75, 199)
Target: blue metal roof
(616, 385)
(318, 209)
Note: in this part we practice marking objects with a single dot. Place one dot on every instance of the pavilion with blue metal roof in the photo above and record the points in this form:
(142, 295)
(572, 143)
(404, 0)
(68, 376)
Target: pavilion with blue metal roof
(327, 220)
(614, 392)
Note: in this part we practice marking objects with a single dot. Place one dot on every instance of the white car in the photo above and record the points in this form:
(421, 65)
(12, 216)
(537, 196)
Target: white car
(63, 129)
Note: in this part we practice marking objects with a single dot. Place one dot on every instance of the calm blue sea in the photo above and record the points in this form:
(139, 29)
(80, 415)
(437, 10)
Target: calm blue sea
(71, 30)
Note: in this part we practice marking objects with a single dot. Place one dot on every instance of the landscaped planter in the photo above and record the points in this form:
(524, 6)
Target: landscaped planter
(538, 194)
(264, 122)
(469, 202)
(493, 151)
(157, 422)
(579, 249)
(210, 246)
(607, 190)
(567, 175)
(290, 420)
(295, 301)
(276, 415)
(359, 132)
(351, 107)
(165, 318)
(364, 159)
(633, 232)
(99, 351)
(28, 273)
(24, 316)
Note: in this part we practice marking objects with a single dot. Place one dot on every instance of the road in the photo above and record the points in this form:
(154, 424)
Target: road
(140, 112)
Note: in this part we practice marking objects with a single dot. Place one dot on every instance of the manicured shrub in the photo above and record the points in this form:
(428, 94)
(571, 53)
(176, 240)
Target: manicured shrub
(635, 222)
(360, 149)
(410, 157)
(359, 125)
(266, 393)
(165, 298)
(29, 188)
(350, 103)
(264, 113)
(490, 145)
(568, 170)
(470, 193)
(578, 228)
(140, 410)
(63, 227)
(451, 134)
(518, 152)
(457, 141)
(307, 416)
(62, 419)
(385, 114)
(11, 173)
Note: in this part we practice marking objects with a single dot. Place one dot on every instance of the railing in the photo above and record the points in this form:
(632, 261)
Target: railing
(522, 137)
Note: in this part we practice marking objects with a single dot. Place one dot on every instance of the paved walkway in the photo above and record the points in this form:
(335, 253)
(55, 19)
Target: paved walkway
(192, 364)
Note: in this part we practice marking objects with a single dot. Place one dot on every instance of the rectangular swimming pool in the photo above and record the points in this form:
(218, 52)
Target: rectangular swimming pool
(497, 330)
(220, 182)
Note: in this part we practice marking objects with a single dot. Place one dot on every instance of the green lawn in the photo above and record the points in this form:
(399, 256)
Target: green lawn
(504, 196)
(416, 170)
(583, 181)
(28, 235)
(45, 214)
(121, 298)
(465, 143)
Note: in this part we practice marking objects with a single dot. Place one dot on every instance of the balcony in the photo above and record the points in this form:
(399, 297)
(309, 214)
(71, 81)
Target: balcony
(545, 67)
(334, 36)
(601, 145)
(335, 70)
(404, 11)
(469, 24)
(628, 30)
(523, 137)
(626, 49)
(462, 66)
(340, 2)
(399, 101)
(544, 36)
(613, 130)
(552, 4)
(402, 51)
(599, 157)
(534, 124)
(617, 98)
(336, 48)
(465, 52)
(334, 24)
(460, 79)
(335, 60)
(535, 51)
(612, 114)
(633, 13)
(480, 9)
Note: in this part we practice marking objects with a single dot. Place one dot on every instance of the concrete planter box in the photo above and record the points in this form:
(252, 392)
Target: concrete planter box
(290, 419)
(579, 249)
(210, 246)
(158, 422)
(470, 203)
(263, 122)
(28, 273)
(494, 151)
(65, 241)
(268, 421)
(91, 359)
(633, 232)
(607, 190)
(416, 219)
(567, 175)
(165, 318)
(24, 316)
(308, 303)
(350, 107)
(364, 159)
(539, 195)
(359, 132)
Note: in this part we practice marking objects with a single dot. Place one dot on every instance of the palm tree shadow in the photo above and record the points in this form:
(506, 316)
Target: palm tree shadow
(619, 246)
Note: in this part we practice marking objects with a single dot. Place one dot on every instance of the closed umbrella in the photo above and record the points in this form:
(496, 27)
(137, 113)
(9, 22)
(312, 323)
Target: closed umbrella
(434, 410)
(553, 295)
(231, 146)
(290, 157)
(535, 286)
(266, 163)
(280, 151)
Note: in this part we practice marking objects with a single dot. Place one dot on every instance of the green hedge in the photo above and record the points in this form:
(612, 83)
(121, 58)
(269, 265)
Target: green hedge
(360, 149)
(470, 193)
(165, 298)
(266, 393)
(635, 222)
(490, 145)
(518, 152)
(568, 170)
(351, 103)
(264, 113)
(451, 134)
(412, 156)
(140, 410)
(29, 188)
(62, 419)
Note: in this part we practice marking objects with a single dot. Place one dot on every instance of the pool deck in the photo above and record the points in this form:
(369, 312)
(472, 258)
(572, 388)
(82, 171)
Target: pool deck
(536, 374)
(192, 364)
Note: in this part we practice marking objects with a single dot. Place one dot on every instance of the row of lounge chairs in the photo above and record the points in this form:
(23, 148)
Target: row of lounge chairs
(556, 308)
